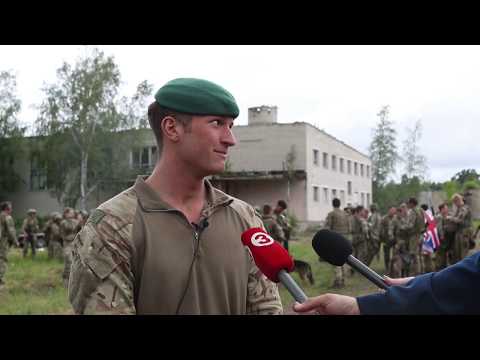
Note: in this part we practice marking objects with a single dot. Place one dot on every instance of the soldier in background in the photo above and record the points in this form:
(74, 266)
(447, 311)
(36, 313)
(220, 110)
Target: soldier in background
(360, 234)
(8, 224)
(426, 258)
(415, 227)
(400, 256)
(30, 229)
(374, 221)
(338, 221)
(68, 230)
(387, 236)
(282, 220)
(55, 248)
(47, 231)
(271, 224)
(446, 232)
(7, 236)
(463, 220)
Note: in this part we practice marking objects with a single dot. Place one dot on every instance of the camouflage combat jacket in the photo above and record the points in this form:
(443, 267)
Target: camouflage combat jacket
(337, 220)
(7, 228)
(135, 254)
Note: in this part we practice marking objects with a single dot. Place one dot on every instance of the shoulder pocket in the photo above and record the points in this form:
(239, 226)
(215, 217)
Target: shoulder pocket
(91, 249)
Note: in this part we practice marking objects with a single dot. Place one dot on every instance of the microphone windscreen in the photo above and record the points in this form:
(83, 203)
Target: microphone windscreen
(332, 247)
(268, 254)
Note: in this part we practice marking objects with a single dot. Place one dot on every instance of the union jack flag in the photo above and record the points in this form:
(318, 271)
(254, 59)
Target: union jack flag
(431, 240)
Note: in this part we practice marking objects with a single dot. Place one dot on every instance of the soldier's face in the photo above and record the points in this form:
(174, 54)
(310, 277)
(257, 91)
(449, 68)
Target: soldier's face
(445, 210)
(205, 146)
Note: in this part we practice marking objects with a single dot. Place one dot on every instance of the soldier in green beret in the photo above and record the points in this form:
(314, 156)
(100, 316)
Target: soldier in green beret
(171, 244)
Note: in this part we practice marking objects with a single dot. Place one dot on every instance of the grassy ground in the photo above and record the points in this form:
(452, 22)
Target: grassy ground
(36, 287)
(33, 286)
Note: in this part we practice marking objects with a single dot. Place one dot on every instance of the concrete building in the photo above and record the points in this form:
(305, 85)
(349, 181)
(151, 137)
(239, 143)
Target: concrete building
(296, 162)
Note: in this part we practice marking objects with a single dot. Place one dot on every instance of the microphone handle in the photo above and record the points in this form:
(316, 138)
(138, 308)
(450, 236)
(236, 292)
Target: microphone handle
(367, 272)
(292, 286)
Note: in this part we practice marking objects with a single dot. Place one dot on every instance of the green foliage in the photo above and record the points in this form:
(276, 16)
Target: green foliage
(471, 185)
(382, 149)
(466, 175)
(415, 163)
(450, 188)
(83, 123)
(12, 145)
(393, 194)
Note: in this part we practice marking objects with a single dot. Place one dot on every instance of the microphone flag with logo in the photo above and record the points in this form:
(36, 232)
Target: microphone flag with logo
(268, 254)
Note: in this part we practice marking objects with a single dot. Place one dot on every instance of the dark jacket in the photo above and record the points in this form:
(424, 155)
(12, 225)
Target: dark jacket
(453, 290)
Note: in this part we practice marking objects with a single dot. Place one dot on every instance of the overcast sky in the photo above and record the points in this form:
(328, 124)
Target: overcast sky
(338, 88)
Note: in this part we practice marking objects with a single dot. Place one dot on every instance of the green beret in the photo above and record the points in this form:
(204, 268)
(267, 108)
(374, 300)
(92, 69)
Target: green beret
(197, 97)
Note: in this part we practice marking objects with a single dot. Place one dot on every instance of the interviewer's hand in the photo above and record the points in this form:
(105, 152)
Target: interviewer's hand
(399, 281)
(329, 304)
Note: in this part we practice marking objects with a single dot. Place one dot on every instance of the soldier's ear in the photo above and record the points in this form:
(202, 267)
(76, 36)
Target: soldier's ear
(171, 128)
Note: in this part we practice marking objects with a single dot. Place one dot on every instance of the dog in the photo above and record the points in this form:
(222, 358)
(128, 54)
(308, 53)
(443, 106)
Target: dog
(304, 270)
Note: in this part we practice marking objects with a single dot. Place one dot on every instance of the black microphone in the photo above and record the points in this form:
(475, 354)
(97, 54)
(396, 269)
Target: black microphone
(335, 249)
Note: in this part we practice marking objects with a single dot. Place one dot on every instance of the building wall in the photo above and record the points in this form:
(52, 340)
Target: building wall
(265, 147)
(261, 192)
(334, 179)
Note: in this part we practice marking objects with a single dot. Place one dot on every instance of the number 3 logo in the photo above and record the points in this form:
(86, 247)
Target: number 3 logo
(261, 239)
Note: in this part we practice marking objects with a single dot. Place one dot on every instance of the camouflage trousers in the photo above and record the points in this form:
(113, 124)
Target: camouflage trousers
(373, 247)
(3, 258)
(426, 263)
(360, 251)
(67, 258)
(55, 250)
(340, 272)
(30, 241)
(404, 262)
(460, 245)
(387, 251)
(444, 251)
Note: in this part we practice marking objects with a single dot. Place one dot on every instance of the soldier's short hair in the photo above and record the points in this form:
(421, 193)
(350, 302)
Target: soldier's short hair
(282, 204)
(413, 201)
(336, 202)
(358, 209)
(267, 209)
(156, 113)
(457, 196)
(441, 206)
(5, 205)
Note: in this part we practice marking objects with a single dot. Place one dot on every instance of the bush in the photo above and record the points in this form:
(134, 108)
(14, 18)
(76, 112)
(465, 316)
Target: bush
(471, 185)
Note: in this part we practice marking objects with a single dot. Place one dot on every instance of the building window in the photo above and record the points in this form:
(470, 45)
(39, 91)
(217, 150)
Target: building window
(362, 195)
(315, 157)
(361, 169)
(349, 166)
(368, 171)
(325, 195)
(368, 199)
(144, 158)
(342, 196)
(334, 162)
(341, 165)
(355, 168)
(334, 193)
(325, 160)
(38, 175)
(315, 193)
(349, 187)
